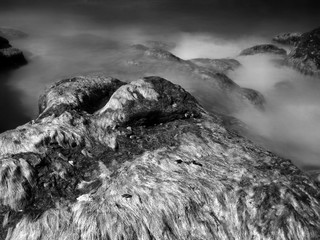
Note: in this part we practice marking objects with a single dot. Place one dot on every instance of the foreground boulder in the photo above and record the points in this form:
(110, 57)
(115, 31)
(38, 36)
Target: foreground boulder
(10, 57)
(263, 49)
(306, 55)
(149, 163)
(291, 39)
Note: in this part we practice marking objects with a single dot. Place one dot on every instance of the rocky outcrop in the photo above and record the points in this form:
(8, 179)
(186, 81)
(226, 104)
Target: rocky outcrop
(219, 65)
(306, 55)
(225, 95)
(149, 163)
(291, 39)
(12, 34)
(10, 57)
(263, 49)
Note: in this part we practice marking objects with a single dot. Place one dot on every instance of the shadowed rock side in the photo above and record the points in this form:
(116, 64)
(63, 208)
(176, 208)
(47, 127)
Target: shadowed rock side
(263, 49)
(219, 65)
(225, 95)
(149, 164)
(291, 39)
(306, 55)
(10, 57)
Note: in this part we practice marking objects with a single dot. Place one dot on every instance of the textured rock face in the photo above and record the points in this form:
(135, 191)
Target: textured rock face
(227, 96)
(306, 55)
(290, 39)
(263, 49)
(149, 163)
(10, 57)
(219, 65)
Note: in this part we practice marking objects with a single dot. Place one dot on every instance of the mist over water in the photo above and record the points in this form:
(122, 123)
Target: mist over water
(76, 39)
(290, 124)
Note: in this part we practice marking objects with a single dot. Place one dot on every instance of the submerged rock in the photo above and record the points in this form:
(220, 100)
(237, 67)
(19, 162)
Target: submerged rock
(222, 65)
(10, 57)
(150, 163)
(290, 39)
(263, 49)
(306, 55)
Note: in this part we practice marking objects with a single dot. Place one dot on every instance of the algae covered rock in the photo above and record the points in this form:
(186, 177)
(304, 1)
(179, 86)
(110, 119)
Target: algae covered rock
(147, 163)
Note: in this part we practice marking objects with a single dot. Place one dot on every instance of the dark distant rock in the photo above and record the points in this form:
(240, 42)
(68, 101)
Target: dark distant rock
(290, 39)
(224, 95)
(10, 57)
(306, 55)
(12, 34)
(222, 65)
(150, 163)
(139, 47)
(263, 49)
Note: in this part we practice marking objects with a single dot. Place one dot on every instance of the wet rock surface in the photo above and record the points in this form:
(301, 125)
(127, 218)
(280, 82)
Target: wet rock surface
(306, 55)
(143, 160)
(10, 57)
(290, 39)
(263, 49)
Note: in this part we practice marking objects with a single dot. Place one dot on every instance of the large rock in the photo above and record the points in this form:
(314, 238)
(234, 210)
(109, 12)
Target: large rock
(224, 95)
(150, 163)
(10, 57)
(290, 39)
(263, 49)
(306, 55)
